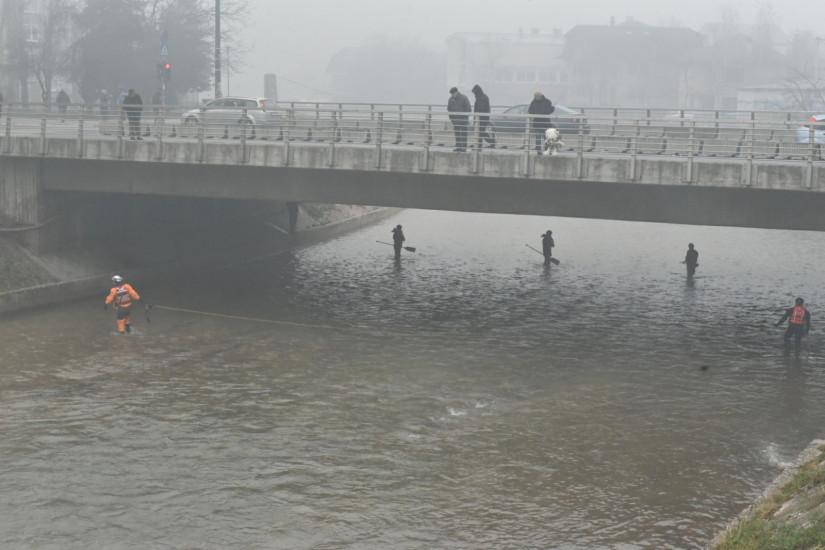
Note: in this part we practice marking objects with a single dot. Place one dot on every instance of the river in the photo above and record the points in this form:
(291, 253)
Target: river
(467, 398)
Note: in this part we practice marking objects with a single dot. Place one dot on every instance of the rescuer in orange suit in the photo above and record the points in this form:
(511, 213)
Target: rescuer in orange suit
(122, 295)
(799, 322)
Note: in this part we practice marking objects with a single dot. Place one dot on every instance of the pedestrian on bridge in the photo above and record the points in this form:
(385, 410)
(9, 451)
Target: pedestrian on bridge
(547, 244)
(485, 128)
(133, 107)
(1, 104)
(540, 106)
(63, 100)
(398, 241)
(799, 322)
(691, 260)
(121, 296)
(460, 105)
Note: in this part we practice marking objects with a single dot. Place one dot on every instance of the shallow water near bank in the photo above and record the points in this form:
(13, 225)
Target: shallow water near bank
(466, 398)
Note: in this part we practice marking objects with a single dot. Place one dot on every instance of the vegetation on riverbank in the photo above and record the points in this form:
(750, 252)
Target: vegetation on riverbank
(790, 517)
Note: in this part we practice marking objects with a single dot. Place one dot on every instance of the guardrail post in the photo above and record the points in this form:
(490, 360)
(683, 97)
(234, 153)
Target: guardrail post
(751, 151)
(399, 136)
(634, 150)
(243, 136)
(159, 132)
(379, 138)
(580, 152)
(331, 163)
(811, 156)
(8, 133)
(527, 148)
(429, 127)
(691, 152)
(290, 116)
(201, 141)
(80, 136)
(43, 136)
(120, 131)
(477, 148)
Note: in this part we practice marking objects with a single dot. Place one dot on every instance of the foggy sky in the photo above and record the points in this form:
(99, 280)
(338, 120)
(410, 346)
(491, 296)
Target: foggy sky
(296, 38)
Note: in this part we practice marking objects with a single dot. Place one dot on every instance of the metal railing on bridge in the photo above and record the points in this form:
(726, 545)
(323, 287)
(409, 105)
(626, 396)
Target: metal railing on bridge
(758, 135)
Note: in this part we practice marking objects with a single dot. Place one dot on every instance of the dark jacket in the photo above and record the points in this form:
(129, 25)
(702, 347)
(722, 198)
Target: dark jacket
(692, 257)
(547, 243)
(459, 104)
(63, 98)
(482, 104)
(398, 237)
(133, 103)
(541, 106)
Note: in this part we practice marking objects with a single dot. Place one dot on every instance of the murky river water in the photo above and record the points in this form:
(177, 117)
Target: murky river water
(468, 399)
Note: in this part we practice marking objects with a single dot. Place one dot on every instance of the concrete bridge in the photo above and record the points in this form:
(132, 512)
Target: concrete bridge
(748, 173)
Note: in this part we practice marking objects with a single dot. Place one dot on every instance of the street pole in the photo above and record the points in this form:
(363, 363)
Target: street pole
(217, 49)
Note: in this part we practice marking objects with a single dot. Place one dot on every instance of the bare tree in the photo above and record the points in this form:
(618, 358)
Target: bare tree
(51, 54)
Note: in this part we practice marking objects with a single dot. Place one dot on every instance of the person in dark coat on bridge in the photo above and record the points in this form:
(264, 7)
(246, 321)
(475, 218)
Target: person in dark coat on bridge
(547, 244)
(398, 241)
(691, 260)
(485, 128)
(133, 107)
(63, 100)
(540, 106)
(459, 104)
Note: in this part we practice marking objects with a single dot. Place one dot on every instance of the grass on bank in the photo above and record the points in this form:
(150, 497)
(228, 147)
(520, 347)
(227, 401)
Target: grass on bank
(760, 531)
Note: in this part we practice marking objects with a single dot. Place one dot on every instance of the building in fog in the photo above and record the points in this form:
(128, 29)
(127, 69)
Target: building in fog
(630, 64)
(510, 67)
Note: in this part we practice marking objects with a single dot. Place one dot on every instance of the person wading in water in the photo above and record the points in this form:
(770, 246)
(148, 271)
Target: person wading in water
(547, 244)
(398, 241)
(691, 260)
(799, 322)
(122, 296)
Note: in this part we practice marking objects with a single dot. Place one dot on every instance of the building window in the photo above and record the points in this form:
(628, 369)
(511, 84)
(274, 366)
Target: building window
(504, 75)
(526, 76)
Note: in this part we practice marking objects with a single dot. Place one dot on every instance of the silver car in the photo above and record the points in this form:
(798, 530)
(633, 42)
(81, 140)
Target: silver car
(228, 113)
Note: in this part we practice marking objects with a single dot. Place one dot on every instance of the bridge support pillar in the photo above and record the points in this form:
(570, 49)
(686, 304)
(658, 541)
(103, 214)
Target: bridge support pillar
(22, 202)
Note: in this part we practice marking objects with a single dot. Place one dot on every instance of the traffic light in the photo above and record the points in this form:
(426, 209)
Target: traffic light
(166, 71)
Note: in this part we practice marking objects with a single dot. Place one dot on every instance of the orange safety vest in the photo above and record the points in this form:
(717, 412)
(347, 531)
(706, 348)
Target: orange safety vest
(798, 315)
(122, 295)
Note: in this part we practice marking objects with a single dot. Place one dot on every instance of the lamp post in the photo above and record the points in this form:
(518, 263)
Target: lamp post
(217, 49)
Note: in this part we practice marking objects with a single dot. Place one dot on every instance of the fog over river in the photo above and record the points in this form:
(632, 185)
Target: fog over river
(468, 398)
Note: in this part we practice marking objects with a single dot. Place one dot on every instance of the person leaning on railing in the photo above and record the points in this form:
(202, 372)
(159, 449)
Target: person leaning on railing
(460, 105)
(540, 106)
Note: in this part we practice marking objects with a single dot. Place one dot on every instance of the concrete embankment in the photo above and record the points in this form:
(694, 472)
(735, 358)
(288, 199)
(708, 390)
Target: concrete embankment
(29, 281)
(789, 514)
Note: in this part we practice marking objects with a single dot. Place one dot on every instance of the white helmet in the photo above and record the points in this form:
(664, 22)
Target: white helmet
(117, 279)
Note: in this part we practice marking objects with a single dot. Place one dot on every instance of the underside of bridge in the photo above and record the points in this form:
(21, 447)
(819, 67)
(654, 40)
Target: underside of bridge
(695, 204)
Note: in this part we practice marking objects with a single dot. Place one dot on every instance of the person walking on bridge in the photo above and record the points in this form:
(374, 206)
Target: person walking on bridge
(547, 244)
(398, 241)
(133, 107)
(799, 322)
(460, 105)
(691, 260)
(540, 106)
(121, 296)
(482, 109)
